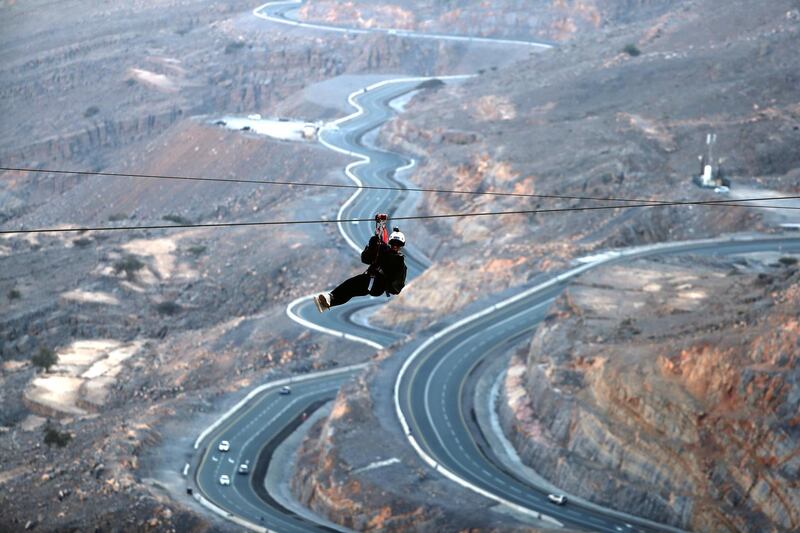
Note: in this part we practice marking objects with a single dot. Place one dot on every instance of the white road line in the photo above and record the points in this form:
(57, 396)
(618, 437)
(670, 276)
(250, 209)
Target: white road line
(376, 464)
(475, 316)
(280, 413)
(348, 171)
(391, 31)
(272, 384)
(363, 159)
(292, 314)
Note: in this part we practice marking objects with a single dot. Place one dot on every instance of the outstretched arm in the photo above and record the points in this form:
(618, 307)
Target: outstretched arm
(370, 251)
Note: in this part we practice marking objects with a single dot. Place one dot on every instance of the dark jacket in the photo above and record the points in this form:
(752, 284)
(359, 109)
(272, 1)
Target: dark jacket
(385, 262)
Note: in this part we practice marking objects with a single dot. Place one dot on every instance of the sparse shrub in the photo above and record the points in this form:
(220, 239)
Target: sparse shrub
(788, 261)
(128, 264)
(54, 436)
(168, 308)
(196, 249)
(234, 46)
(176, 219)
(116, 217)
(14, 294)
(764, 279)
(91, 111)
(83, 242)
(44, 358)
(130, 82)
(431, 84)
(632, 50)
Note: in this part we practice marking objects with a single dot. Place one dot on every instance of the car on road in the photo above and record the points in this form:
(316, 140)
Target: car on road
(721, 189)
(558, 499)
(224, 446)
(224, 480)
(286, 389)
(244, 468)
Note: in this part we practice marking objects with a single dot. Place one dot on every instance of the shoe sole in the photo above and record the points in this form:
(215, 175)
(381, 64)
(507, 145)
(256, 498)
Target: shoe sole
(319, 302)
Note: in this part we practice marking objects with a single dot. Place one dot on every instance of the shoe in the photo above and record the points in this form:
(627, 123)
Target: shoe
(323, 302)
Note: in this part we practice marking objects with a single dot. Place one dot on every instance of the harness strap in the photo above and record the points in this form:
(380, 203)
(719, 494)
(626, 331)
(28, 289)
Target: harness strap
(381, 220)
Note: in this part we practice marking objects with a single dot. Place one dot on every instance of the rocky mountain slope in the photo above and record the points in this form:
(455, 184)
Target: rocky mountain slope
(672, 389)
(178, 319)
(558, 20)
(204, 313)
(589, 119)
(619, 112)
(153, 328)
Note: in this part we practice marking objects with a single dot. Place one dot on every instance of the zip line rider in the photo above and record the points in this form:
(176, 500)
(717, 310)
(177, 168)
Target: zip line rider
(386, 272)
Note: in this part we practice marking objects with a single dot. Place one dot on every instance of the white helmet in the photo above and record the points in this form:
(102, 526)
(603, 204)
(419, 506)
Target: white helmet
(398, 237)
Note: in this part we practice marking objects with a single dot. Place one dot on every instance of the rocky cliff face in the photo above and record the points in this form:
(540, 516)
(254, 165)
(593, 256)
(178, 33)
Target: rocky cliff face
(80, 83)
(671, 390)
(202, 312)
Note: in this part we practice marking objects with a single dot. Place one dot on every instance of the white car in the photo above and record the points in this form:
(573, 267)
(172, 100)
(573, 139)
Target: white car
(243, 468)
(224, 480)
(558, 499)
(286, 389)
(721, 189)
(224, 446)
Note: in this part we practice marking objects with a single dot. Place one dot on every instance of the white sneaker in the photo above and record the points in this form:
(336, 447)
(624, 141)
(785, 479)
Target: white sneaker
(323, 302)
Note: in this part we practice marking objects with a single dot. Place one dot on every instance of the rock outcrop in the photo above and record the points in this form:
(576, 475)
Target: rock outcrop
(669, 390)
(356, 469)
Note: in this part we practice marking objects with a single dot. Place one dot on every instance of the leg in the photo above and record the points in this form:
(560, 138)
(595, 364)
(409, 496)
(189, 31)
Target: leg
(355, 286)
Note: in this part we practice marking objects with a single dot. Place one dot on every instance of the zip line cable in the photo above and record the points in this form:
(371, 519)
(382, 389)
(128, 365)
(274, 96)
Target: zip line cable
(413, 217)
(387, 188)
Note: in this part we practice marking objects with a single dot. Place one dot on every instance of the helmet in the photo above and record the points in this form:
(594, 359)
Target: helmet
(397, 237)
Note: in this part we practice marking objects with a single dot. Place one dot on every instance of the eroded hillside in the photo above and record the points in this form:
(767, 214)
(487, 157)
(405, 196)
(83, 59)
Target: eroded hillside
(671, 388)
(591, 120)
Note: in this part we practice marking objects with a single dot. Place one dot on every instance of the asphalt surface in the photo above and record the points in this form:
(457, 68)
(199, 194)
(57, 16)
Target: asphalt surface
(380, 172)
(251, 430)
(282, 12)
(257, 423)
(431, 398)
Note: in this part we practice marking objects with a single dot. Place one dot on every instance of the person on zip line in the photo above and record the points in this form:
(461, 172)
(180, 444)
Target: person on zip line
(386, 272)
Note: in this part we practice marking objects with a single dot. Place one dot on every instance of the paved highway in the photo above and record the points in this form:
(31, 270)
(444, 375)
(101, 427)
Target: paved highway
(253, 428)
(429, 397)
(429, 389)
(377, 168)
(280, 12)
(255, 424)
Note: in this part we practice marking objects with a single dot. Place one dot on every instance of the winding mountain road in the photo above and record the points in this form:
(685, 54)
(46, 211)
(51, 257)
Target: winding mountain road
(429, 389)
